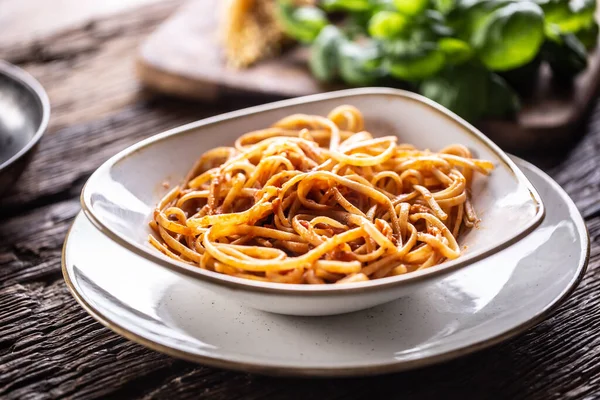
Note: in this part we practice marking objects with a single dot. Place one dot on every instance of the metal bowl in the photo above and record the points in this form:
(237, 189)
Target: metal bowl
(24, 114)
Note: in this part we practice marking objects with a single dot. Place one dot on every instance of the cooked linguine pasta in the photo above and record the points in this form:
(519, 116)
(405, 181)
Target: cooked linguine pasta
(318, 200)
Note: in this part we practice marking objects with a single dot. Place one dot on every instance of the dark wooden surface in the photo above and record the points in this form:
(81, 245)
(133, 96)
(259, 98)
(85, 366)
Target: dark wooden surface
(50, 348)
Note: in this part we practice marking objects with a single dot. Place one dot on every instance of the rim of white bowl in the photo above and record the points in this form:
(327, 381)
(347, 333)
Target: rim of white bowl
(300, 289)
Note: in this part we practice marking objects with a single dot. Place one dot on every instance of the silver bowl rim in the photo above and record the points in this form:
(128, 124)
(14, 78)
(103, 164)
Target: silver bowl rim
(35, 88)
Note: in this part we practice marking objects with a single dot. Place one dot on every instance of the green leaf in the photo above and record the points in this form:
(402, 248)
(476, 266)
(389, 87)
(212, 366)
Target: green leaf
(566, 55)
(415, 45)
(355, 25)
(301, 23)
(382, 5)
(471, 92)
(359, 63)
(589, 36)
(416, 65)
(444, 6)
(570, 16)
(411, 7)
(323, 60)
(511, 36)
(436, 22)
(387, 24)
(459, 90)
(455, 50)
(346, 5)
(467, 17)
(524, 78)
(502, 101)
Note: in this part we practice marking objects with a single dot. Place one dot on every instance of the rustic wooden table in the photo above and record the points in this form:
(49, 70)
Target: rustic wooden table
(50, 348)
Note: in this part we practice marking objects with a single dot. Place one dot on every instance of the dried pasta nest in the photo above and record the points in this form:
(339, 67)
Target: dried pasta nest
(251, 31)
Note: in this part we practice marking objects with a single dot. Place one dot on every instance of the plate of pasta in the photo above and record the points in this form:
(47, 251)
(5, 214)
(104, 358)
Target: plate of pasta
(357, 197)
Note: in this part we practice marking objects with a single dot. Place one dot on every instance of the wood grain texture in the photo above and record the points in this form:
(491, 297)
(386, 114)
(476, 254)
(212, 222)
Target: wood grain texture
(45, 17)
(88, 69)
(184, 58)
(51, 349)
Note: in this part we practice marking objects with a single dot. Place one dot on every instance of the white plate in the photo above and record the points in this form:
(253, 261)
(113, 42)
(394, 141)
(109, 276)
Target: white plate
(121, 195)
(480, 305)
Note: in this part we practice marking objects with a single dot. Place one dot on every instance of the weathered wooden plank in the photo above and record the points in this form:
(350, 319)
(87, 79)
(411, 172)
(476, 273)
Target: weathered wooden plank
(48, 17)
(30, 245)
(88, 69)
(55, 349)
(50, 348)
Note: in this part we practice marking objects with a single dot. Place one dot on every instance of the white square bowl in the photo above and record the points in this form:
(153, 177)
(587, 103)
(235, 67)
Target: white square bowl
(120, 196)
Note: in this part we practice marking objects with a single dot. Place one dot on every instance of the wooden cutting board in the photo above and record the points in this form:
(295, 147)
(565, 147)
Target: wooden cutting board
(183, 57)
